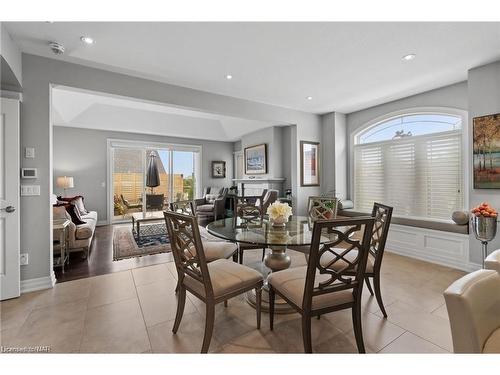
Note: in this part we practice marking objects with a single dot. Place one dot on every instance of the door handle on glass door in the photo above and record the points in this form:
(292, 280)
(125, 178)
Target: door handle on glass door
(8, 209)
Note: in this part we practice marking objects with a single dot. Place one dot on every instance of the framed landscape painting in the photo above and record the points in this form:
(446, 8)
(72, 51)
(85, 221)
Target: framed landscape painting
(256, 159)
(486, 152)
(218, 169)
(309, 163)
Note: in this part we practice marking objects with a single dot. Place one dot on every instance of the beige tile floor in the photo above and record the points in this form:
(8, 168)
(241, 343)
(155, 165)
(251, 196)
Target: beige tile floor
(133, 311)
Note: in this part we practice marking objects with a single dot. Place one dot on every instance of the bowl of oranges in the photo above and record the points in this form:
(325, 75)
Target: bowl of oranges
(484, 222)
(484, 210)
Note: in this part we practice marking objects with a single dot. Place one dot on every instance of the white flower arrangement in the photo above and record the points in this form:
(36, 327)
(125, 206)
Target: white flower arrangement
(279, 211)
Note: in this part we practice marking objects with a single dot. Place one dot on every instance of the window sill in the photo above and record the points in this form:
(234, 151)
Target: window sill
(419, 223)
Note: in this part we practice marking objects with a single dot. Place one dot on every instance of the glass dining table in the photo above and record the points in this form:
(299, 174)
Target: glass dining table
(297, 232)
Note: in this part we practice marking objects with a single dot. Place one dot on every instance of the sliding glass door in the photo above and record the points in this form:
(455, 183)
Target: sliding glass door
(146, 177)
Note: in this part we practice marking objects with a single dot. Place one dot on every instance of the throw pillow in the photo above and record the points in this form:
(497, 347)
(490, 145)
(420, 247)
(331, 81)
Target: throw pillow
(74, 213)
(210, 198)
(76, 201)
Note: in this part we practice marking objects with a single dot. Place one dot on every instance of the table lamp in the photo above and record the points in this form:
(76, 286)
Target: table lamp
(65, 182)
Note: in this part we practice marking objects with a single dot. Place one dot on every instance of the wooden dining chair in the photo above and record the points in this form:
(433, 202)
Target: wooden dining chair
(317, 208)
(319, 288)
(213, 282)
(382, 215)
(183, 207)
(322, 207)
(249, 213)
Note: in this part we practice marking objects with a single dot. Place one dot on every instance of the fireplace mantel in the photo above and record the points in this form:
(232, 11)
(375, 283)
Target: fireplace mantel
(258, 180)
(259, 184)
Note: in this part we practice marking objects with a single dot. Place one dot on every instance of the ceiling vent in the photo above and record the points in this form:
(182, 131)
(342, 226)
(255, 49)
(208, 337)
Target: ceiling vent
(57, 48)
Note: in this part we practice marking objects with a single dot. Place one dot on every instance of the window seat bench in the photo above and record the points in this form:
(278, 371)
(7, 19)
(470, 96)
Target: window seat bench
(419, 223)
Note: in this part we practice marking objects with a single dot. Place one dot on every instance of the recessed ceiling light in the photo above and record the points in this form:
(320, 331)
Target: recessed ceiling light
(229, 76)
(87, 39)
(309, 97)
(409, 57)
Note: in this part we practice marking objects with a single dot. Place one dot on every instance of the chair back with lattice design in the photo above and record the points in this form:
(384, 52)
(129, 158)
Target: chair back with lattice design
(343, 271)
(187, 248)
(322, 208)
(382, 215)
(247, 211)
(182, 207)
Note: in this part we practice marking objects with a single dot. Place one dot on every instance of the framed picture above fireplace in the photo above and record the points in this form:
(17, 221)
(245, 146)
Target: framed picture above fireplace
(256, 159)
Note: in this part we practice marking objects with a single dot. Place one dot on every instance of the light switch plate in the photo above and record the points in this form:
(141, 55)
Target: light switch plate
(29, 152)
(30, 190)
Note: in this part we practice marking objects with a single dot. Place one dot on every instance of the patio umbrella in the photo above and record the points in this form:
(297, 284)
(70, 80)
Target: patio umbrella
(152, 173)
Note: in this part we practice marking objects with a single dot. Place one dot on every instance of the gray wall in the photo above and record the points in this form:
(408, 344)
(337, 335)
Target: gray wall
(328, 152)
(334, 154)
(87, 161)
(286, 155)
(484, 99)
(274, 148)
(39, 73)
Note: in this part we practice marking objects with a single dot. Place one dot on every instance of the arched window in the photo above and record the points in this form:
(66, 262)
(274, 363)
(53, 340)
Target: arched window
(412, 162)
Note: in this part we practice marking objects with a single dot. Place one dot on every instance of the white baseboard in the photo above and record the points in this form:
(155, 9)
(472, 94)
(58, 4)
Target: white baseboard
(40, 283)
(444, 248)
(100, 223)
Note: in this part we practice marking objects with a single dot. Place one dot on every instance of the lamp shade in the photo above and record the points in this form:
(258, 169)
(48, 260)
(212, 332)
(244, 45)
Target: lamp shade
(65, 182)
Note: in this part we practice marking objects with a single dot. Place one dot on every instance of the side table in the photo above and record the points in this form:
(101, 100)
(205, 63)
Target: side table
(61, 227)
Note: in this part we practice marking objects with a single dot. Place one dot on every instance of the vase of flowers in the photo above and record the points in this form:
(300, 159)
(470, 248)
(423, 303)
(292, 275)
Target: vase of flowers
(279, 213)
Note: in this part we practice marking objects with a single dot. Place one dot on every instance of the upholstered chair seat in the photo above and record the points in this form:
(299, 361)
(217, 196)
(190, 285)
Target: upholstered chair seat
(226, 277)
(205, 207)
(291, 282)
(218, 250)
(492, 261)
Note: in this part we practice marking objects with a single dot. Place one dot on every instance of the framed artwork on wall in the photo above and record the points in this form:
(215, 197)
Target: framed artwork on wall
(256, 159)
(486, 152)
(309, 163)
(218, 169)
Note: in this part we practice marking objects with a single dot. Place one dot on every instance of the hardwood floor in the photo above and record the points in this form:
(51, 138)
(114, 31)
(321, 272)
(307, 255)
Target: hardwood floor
(101, 261)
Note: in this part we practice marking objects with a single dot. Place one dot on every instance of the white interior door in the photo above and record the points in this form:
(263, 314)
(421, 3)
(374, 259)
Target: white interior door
(9, 199)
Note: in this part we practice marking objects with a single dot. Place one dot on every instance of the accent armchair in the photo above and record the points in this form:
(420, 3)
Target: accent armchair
(473, 304)
(207, 209)
(492, 261)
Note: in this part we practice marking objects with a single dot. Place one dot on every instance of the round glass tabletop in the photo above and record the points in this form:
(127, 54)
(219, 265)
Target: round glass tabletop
(297, 231)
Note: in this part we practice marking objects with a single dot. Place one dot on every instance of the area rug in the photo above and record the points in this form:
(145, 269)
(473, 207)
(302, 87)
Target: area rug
(154, 240)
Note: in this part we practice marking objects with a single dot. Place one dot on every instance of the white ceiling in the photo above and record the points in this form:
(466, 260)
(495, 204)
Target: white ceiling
(343, 66)
(89, 110)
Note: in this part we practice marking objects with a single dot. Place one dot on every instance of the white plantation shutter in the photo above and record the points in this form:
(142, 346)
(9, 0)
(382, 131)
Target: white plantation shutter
(420, 176)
